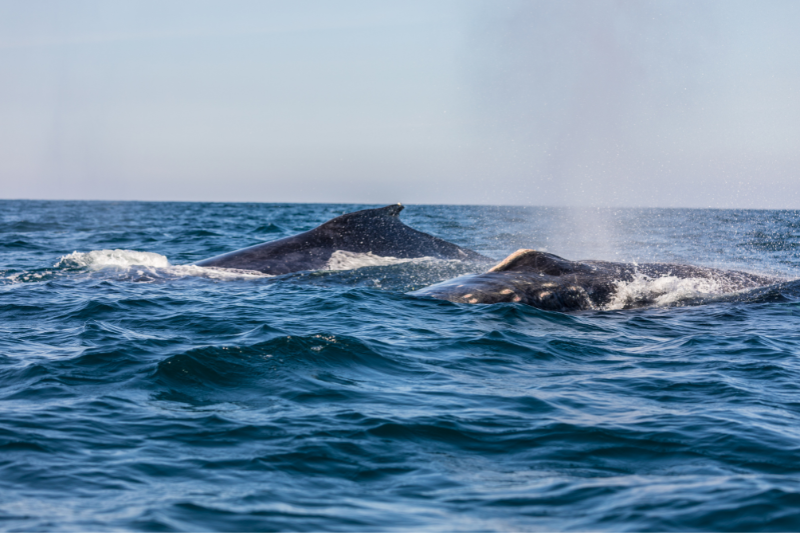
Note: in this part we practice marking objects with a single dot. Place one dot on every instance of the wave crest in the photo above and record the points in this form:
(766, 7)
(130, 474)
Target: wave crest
(99, 259)
(146, 266)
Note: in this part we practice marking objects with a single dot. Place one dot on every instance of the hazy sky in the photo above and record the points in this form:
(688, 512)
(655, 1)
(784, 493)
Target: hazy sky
(591, 102)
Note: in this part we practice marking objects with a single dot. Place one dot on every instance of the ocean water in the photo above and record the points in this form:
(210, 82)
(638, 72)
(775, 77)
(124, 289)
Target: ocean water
(138, 392)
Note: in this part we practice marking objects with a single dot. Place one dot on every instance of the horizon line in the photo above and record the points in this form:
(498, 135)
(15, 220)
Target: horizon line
(539, 206)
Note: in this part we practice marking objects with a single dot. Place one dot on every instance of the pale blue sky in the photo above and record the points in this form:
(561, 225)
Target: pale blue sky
(590, 102)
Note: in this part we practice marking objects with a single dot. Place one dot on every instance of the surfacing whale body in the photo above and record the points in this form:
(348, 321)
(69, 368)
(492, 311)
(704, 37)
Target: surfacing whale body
(376, 231)
(549, 282)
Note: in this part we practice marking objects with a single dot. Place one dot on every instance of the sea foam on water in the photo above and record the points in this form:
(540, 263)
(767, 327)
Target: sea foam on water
(99, 259)
(146, 266)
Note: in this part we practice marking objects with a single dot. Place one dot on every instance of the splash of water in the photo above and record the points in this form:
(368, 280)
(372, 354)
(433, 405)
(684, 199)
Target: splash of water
(664, 291)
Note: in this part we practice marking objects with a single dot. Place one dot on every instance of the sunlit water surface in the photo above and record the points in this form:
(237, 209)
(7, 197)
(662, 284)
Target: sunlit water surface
(138, 392)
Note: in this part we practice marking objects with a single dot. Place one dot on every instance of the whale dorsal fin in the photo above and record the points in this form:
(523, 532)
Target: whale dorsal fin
(365, 216)
(375, 215)
(391, 210)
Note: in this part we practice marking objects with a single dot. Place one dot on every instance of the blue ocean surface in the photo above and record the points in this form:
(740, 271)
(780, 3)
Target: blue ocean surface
(139, 392)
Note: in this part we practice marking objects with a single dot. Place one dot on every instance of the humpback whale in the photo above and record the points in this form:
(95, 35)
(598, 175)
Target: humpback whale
(377, 231)
(550, 282)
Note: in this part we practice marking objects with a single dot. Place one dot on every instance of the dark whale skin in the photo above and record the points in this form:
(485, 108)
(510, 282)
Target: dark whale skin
(550, 282)
(377, 231)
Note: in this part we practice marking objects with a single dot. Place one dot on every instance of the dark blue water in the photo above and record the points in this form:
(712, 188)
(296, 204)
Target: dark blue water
(139, 394)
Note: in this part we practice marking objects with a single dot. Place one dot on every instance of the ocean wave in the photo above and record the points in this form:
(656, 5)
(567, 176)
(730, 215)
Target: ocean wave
(235, 366)
(305, 369)
(27, 226)
(99, 259)
(19, 244)
(134, 265)
(378, 410)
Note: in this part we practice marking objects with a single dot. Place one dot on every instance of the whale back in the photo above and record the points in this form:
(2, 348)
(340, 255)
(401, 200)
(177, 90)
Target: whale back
(377, 231)
(550, 282)
(540, 262)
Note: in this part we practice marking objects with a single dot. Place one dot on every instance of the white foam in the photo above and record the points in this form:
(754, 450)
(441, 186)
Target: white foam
(342, 260)
(663, 291)
(143, 266)
(215, 273)
(147, 266)
(99, 259)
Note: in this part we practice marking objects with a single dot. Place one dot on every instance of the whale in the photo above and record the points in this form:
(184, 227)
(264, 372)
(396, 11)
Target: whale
(547, 281)
(375, 231)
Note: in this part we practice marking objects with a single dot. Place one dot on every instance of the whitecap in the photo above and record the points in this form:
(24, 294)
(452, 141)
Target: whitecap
(146, 266)
(99, 259)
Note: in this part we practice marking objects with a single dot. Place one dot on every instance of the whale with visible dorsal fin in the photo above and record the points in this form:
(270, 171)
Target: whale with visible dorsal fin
(376, 231)
(550, 282)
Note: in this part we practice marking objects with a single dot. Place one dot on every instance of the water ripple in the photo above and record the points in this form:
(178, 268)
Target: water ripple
(141, 393)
